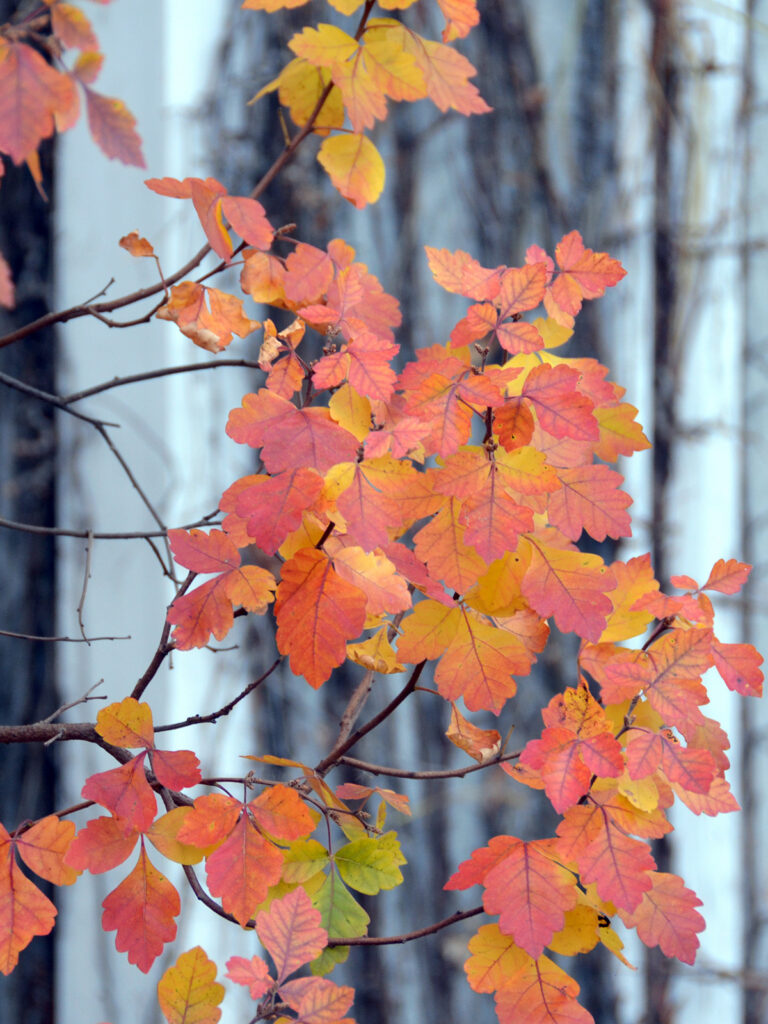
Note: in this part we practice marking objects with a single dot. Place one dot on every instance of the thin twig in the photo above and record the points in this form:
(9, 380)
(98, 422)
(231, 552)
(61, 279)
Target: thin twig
(342, 747)
(403, 773)
(136, 378)
(74, 703)
(392, 940)
(58, 639)
(225, 710)
(59, 531)
(86, 577)
(54, 400)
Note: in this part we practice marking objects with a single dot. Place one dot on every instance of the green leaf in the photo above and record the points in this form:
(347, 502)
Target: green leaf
(370, 865)
(303, 859)
(342, 917)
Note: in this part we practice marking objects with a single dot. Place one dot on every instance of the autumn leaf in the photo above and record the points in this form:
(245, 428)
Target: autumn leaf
(569, 585)
(209, 609)
(24, 911)
(188, 992)
(32, 94)
(291, 933)
(584, 274)
(317, 612)
(207, 316)
(113, 128)
(481, 744)
(253, 973)
(667, 917)
(142, 909)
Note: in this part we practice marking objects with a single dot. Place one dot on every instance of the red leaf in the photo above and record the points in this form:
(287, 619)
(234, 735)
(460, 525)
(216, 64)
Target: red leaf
(562, 410)
(273, 506)
(254, 973)
(142, 911)
(290, 932)
(667, 917)
(31, 94)
(125, 792)
(739, 665)
(101, 845)
(176, 769)
(113, 127)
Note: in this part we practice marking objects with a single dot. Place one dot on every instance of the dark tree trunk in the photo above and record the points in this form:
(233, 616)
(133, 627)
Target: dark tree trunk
(27, 593)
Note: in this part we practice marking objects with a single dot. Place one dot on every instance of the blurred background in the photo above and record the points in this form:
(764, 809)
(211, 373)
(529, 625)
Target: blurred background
(643, 124)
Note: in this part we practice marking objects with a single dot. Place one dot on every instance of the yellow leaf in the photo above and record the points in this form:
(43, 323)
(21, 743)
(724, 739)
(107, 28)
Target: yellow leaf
(375, 653)
(579, 933)
(553, 333)
(163, 836)
(299, 87)
(324, 46)
(497, 592)
(351, 411)
(611, 941)
(641, 793)
(355, 167)
(188, 992)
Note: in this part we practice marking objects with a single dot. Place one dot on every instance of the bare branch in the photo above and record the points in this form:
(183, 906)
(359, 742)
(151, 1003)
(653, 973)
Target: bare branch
(58, 531)
(404, 773)
(343, 746)
(391, 940)
(54, 400)
(59, 639)
(136, 378)
(225, 710)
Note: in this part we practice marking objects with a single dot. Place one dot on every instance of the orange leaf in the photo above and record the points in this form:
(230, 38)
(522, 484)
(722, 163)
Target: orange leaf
(480, 744)
(136, 245)
(460, 273)
(442, 546)
(584, 274)
(317, 612)
(72, 28)
(113, 127)
(667, 917)
(242, 869)
(273, 506)
(542, 993)
(373, 573)
(290, 932)
(142, 911)
(318, 1000)
(31, 93)
(495, 958)
(126, 724)
(188, 992)
(208, 609)
(44, 846)
(209, 326)
(461, 16)
(210, 821)
(562, 410)
(590, 500)
(290, 437)
(739, 665)
(728, 577)
(280, 812)
(24, 911)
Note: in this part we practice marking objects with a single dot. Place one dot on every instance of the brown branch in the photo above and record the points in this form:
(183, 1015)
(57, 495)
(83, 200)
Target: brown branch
(225, 710)
(136, 378)
(403, 773)
(58, 639)
(343, 746)
(54, 400)
(59, 531)
(391, 940)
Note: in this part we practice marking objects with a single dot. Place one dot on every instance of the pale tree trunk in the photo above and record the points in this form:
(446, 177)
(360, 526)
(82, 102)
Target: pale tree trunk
(753, 751)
